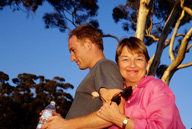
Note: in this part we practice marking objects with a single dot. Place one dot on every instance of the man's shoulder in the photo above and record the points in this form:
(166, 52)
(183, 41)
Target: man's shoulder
(106, 61)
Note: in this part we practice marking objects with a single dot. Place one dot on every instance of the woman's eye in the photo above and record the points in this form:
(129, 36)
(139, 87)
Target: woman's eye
(125, 59)
(140, 59)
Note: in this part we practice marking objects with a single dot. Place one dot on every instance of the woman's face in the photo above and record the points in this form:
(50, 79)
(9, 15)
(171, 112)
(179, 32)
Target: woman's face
(132, 66)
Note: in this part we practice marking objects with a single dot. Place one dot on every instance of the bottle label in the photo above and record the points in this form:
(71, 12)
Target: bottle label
(46, 114)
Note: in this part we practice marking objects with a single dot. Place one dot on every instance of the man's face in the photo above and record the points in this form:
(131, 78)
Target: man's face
(79, 52)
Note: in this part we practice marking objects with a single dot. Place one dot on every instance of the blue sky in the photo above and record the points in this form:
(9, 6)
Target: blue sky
(27, 47)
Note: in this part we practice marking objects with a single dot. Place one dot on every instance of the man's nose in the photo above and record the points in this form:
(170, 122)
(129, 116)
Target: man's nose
(72, 57)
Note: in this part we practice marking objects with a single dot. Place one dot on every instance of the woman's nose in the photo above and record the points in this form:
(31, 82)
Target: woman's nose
(132, 63)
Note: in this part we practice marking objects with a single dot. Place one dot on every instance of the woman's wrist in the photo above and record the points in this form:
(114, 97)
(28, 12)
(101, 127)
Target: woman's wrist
(125, 122)
(120, 120)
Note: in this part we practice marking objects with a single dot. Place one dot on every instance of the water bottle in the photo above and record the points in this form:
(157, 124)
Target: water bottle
(46, 114)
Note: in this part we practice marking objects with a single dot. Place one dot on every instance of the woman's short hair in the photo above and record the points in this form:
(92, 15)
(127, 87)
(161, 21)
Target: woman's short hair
(134, 45)
(87, 31)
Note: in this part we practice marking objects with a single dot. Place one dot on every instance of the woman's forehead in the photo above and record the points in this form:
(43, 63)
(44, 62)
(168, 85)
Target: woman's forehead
(125, 49)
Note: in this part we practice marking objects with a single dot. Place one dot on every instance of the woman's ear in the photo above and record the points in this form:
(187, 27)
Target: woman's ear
(146, 69)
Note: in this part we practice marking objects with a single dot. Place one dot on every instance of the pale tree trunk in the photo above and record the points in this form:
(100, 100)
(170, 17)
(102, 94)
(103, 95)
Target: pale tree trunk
(155, 60)
(162, 38)
(176, 63)
(172, 68)
(142, 18)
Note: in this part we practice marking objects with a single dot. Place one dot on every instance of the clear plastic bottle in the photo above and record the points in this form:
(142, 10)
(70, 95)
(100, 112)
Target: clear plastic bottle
(46, 114)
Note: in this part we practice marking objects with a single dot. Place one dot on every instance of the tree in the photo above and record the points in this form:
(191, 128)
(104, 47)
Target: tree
(20, 105)
(74, 12)
(168, 15)
(154, 21)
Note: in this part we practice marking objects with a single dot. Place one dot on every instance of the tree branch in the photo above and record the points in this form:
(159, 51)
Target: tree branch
(184, 65)
(149, 63)
(168, 40)
(163, 36)
(109, 35)
(148, 30)
(152, 36)
(183, 47)
(68, 18)
(181, 55)
(186, 9)
(172, 57)
(189, 47)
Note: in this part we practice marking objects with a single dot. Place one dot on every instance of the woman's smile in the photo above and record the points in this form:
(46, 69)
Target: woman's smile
(132, 66)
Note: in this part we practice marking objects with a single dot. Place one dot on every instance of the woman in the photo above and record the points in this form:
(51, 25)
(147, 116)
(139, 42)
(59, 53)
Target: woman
(152, 103)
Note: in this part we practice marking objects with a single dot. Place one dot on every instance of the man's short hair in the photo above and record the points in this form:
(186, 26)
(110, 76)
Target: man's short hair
(87, 31)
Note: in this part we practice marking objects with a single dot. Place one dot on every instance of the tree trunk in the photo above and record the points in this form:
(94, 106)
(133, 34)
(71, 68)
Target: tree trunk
(162, 38)
(181, 55)
(142, 18)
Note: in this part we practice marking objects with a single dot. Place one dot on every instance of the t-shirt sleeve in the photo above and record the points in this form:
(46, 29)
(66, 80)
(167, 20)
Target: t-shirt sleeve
(107, 75)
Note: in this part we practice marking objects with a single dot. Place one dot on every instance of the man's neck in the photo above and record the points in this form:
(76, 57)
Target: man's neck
(96, 59)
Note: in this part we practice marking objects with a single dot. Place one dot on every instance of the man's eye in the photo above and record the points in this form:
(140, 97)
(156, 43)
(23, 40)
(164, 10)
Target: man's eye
(72, 50)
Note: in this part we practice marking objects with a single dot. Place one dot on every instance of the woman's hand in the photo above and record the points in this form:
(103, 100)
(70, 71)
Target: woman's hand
(109, 111)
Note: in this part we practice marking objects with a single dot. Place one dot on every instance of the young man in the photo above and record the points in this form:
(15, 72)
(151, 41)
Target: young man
(101, 83)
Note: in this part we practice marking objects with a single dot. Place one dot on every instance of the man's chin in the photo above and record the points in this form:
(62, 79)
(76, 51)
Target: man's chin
(82, 68)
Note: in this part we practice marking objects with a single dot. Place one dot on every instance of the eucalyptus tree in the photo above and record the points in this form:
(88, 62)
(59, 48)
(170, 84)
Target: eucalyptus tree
(158, 21)
(154, 21)
(21, 104)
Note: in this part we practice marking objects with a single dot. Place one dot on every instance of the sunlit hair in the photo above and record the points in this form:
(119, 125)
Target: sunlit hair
(87, 31)
(134, 45)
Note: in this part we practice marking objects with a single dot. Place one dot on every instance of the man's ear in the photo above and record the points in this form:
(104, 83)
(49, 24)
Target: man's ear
(88, 43)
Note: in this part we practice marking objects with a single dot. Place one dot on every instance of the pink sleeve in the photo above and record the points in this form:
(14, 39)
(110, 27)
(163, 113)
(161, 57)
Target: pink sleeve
(160, 109)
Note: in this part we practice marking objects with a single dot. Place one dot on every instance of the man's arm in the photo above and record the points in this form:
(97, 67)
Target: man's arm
(88, 121)
(92, 120)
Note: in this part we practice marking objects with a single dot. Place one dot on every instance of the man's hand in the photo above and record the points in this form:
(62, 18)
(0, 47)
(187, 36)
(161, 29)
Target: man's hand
(53, 114)
(56, 114)
(56, 122)
(50, 123)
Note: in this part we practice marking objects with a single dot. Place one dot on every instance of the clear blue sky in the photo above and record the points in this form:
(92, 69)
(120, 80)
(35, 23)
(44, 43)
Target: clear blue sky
(27, 47)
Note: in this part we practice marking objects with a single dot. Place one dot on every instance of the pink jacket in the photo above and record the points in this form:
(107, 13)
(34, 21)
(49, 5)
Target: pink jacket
(152, 106)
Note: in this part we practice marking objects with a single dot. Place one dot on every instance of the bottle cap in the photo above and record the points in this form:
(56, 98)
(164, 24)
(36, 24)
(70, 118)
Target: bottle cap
(52, 103)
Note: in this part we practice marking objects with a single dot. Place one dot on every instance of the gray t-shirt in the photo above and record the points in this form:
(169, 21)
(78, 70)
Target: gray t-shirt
(105, 73)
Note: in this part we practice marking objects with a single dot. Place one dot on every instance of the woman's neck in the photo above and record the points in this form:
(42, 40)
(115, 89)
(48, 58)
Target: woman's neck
(131, 84)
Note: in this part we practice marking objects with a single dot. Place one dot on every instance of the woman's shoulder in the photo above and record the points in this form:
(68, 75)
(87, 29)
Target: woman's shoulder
(151, 80)
(156, 85)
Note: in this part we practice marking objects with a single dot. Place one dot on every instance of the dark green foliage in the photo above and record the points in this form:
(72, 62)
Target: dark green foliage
(148, 41)
(159, 10)
(161, 69)
(76, 12)
(126, 26)
(73, 12)
(66, 12)
(55, 19)
(119, 13)
(20, 105)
